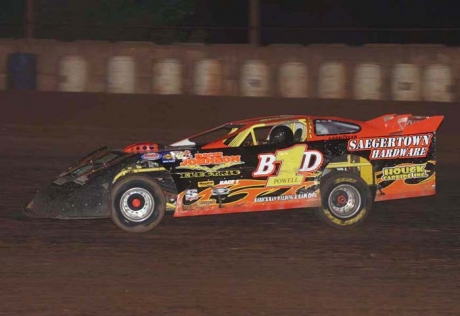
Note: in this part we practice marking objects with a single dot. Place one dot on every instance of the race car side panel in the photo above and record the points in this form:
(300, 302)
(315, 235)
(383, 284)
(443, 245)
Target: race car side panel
(270, 178)
(404, 165)
(265, 177)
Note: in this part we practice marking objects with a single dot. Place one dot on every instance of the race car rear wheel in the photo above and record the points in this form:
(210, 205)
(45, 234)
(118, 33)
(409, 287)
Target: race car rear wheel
(138, 204)
(346, 199)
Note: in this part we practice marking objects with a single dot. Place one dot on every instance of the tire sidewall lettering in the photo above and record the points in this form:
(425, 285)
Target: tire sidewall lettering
(362, 213)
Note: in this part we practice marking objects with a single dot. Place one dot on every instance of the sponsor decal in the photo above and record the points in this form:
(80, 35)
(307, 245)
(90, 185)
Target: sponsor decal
(220, 191)
(342, 137)
(216, 158)
(229, 181)
(290, 165)
(136, 169)
(205, 174)
(207, 202)
(309, 128)
(404, 172)
(205, 184)
(309, 195)
(151, 156)
(219, 162)
(191, 195)
(181, 155)
(410, 146)
(168, 157)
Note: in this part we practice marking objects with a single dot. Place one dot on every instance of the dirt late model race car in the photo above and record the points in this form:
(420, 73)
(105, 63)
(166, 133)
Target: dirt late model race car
(337, 166)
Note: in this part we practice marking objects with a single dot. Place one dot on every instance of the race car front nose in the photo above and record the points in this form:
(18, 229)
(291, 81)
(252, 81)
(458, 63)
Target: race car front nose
(70, 201)
(38, 208)
(28, 210)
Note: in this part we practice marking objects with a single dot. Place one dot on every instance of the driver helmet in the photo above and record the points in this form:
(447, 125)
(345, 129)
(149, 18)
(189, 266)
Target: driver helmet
(281, 134)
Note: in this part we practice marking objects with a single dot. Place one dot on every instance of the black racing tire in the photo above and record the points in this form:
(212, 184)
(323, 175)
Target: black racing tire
(346, 199)
(138, 204)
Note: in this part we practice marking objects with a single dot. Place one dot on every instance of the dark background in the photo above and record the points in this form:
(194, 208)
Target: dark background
(226, 21)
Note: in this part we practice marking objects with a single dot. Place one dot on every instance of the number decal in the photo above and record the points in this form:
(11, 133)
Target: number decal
(293, 162)
(290, 160)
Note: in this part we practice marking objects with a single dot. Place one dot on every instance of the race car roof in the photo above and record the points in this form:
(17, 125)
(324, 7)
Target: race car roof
(271, 119)
(283, 118)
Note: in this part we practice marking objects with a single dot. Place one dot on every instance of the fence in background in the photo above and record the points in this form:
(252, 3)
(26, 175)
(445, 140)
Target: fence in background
(382, 72)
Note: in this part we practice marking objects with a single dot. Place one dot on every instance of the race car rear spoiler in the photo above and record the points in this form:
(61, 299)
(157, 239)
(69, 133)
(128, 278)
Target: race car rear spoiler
(407, 123)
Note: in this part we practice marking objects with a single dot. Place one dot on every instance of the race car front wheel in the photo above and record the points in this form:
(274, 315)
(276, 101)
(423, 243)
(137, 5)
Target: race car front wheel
(138, 204)
(345, 199)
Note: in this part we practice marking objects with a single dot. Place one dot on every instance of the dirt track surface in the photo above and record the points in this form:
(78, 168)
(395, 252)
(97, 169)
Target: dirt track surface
(404, 260)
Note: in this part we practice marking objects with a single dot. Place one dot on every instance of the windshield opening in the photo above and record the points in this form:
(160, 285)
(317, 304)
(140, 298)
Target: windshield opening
(215, 134)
